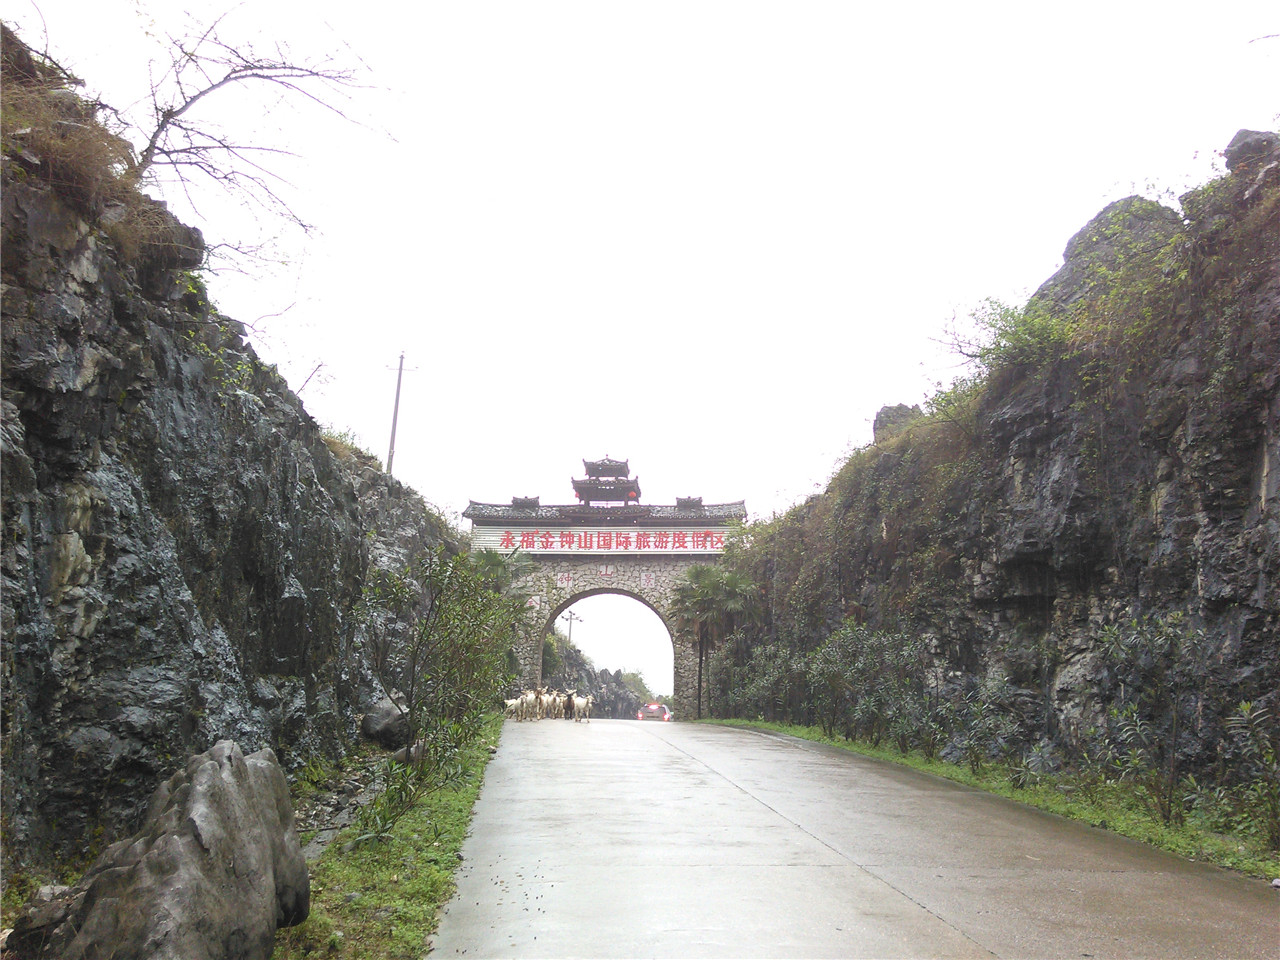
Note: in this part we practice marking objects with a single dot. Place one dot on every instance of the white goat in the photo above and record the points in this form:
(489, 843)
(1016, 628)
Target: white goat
(582, 708)
(545, 704)
(525, 710)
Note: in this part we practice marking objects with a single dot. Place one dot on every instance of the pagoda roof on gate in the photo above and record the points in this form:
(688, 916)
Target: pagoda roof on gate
(686, 511)
(607, 468)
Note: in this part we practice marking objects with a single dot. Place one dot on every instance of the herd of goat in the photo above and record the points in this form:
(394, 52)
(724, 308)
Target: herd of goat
(543, 704)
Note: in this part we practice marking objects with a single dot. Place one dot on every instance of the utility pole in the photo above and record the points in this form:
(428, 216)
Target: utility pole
(395, 414)
(571, 616)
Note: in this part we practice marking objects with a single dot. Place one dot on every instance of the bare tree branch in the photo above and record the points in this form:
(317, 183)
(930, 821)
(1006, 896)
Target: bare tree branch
(202, 64)
(235, 68)
(319, 366)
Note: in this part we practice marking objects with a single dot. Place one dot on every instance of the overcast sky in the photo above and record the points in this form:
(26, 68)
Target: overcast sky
(713, 238)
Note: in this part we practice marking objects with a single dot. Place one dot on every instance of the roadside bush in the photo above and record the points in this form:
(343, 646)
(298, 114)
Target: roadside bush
(1255, 731)
(436, 763)
(552, 661)
(872, 685)
(985, 727)
(1167, 703)
(438, 635)
(774, 685)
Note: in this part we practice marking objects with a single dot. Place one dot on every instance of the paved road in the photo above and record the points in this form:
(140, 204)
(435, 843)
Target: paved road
(628, 839)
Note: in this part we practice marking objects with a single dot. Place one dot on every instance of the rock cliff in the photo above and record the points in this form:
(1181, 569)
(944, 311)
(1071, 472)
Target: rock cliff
(1116, 457)
(182, 549)
(184, 552)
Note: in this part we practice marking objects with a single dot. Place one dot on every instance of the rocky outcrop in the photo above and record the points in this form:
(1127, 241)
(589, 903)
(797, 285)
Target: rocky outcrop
(613, 698)
(183, 553)
(214, 871)
(890, 420)
(1119, 461)
(1251, 148)
(387, 724)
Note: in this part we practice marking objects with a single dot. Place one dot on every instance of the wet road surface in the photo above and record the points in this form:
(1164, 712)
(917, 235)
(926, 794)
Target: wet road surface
(628, 839)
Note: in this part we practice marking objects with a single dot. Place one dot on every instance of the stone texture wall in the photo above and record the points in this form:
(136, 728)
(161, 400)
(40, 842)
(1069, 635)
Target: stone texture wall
(182, 551)
(561, 581)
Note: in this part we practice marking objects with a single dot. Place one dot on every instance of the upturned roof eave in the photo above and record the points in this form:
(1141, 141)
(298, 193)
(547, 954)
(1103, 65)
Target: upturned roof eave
(504, 512)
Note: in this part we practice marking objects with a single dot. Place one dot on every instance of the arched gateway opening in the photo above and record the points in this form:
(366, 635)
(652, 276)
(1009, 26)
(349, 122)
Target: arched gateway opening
(607, 543)
(618, 632)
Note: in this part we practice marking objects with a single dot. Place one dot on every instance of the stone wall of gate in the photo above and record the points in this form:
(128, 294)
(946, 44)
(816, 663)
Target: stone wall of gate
(559, 581)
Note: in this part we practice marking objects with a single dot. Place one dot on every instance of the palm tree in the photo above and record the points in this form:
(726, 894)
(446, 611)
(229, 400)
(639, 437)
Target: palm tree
(711, 601)
(504, 574)
(500, 572)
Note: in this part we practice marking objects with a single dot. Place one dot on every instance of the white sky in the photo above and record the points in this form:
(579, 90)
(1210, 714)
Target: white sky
(713, 238)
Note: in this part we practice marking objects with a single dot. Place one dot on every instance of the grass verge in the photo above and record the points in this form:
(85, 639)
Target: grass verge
(380, 901)
(1109, 805)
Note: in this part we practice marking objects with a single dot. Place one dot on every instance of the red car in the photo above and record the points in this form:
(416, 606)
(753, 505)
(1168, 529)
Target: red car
(655, 711)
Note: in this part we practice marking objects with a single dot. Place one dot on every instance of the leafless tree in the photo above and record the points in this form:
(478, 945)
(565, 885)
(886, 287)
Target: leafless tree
(202, 64)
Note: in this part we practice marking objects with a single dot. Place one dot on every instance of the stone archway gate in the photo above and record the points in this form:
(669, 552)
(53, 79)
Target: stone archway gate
(639, 551)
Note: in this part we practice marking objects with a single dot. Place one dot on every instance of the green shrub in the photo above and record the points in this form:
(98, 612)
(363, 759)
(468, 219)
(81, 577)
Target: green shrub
(1256, 731)
(1164, 683)
(1015, 336)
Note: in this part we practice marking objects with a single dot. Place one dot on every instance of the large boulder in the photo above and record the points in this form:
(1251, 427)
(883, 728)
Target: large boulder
(1125, 231)
(386, 724)
(1248, 147)
(214, 871)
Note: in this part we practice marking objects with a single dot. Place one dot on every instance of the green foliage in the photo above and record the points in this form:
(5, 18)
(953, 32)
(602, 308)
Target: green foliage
(1098, 369)
(1029, 335)
(434, 766)
(382, 900)
(707, 605)
(506, 574)
(20, 885)
(958, 405)
(1164, 677)
(230, 371)
(987, 730)
(435, 762)
(1142, 760)
(440, 636)
(869, 684)
(503, 573)
(451, 661)
(313, 775)
(771, 685)
(552, 661)
(1256, 732)
(226, 361)
(634, 681)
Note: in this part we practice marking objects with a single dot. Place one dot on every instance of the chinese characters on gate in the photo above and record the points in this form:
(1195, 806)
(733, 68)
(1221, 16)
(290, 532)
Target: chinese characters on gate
(597, 541)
